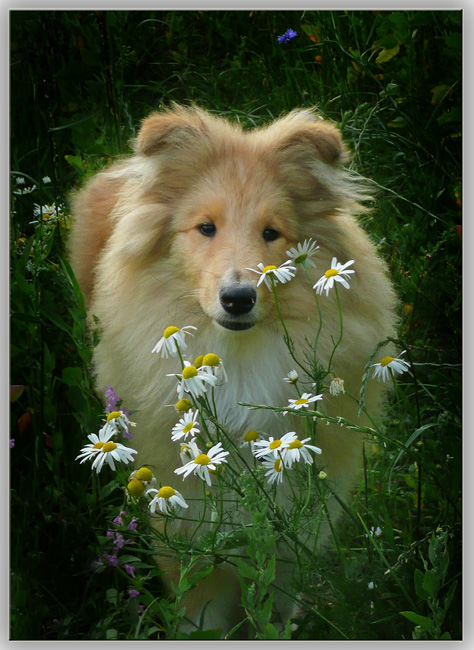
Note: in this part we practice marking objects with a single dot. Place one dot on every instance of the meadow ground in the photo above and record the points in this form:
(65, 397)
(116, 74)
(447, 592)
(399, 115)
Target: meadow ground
(80, 84)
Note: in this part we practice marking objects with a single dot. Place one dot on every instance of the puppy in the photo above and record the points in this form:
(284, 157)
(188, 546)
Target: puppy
(169, 235)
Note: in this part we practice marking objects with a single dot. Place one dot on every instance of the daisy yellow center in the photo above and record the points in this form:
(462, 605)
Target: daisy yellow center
(331, 273)
(202, 459)
(296, 444)
(183, 405)
(144, 474)
(275, 444)
(188, 427)
(251, 436)
(98, 445)
(184, 449)
(166, 492)
(189, 372)
(109, 446)
(198, 361)
(211, 360)
(301, 400)
(113, 415)
(169, 331)
(136, 488)
(385, 361)
(278, 465)
(271, 267)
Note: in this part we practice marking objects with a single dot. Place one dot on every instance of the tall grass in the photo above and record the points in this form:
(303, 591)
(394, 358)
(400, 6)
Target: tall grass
(80, 84)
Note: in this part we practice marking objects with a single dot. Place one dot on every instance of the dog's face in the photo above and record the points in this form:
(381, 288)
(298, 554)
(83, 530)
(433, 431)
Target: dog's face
(231, 200)
(235, 218)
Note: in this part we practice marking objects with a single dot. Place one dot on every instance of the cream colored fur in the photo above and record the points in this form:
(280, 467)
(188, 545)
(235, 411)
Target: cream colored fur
(143, 265)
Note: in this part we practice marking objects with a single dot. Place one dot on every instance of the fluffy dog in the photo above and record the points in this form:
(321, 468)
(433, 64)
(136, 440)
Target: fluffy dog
(167, 237)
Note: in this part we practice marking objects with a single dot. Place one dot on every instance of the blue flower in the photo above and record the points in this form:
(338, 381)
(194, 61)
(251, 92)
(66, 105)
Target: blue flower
(287, 36)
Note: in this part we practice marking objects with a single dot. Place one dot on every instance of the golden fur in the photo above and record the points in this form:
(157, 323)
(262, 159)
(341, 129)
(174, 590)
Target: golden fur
(144, 265)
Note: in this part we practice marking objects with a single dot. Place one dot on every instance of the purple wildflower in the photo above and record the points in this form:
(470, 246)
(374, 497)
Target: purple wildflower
(120, 541)
(133, 593)
(133, 524)
(118, 519)
(110, 534)
(112, 400)
(12, 443)
(287, 36)
(130, 570)
(112, 559)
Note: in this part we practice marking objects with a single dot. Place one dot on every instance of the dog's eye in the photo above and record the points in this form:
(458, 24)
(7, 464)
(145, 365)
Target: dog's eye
(270, 234)
(207, 229)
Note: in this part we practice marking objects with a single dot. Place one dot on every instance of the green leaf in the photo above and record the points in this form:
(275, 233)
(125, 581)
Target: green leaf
(246, 570)
(200, 575)
(386, 55)
(72, 376)
(431, 583)
(420, 591)
(422, 621)
(270, 631)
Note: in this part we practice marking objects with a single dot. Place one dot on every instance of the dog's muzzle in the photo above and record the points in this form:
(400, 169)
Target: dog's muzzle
(238, 302)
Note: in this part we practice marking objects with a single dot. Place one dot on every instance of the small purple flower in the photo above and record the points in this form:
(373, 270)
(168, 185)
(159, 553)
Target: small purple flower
(130, 570)
(133, 593)
(120, 541)
(112, 559)
(118, 519)
(133, 524)
(110, 534)
(141, 609)
(112, 399)
(12, 443)
(287, 36)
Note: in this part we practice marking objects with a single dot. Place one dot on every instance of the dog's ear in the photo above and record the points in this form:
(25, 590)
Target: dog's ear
(178, 128)
(302, 134)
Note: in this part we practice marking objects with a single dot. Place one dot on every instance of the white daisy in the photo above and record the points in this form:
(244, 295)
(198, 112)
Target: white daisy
(105, 450)
(336, 387)
(172, 339)
(46, 211)
(292, 377)
(273, 446)
(119, 420)
(97, 441)
(303, 401)
(303, 252)
(297, 450)
(185, 427)
(337, 273)
(282, 273)
(202, 463)
(397, 366)
(185, 453)
(166, 499)
(193, 381)
(274, 469)
(213, 364)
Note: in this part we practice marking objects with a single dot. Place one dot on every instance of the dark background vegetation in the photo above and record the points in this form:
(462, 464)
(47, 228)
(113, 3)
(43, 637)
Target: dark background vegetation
(80, 83)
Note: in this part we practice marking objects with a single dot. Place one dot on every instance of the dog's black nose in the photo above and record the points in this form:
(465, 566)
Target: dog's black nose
(238, 300)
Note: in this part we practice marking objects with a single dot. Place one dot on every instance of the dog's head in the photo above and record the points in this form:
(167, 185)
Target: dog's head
(217, 201)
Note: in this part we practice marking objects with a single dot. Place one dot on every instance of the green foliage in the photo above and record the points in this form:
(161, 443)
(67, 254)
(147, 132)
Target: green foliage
(80, 82)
